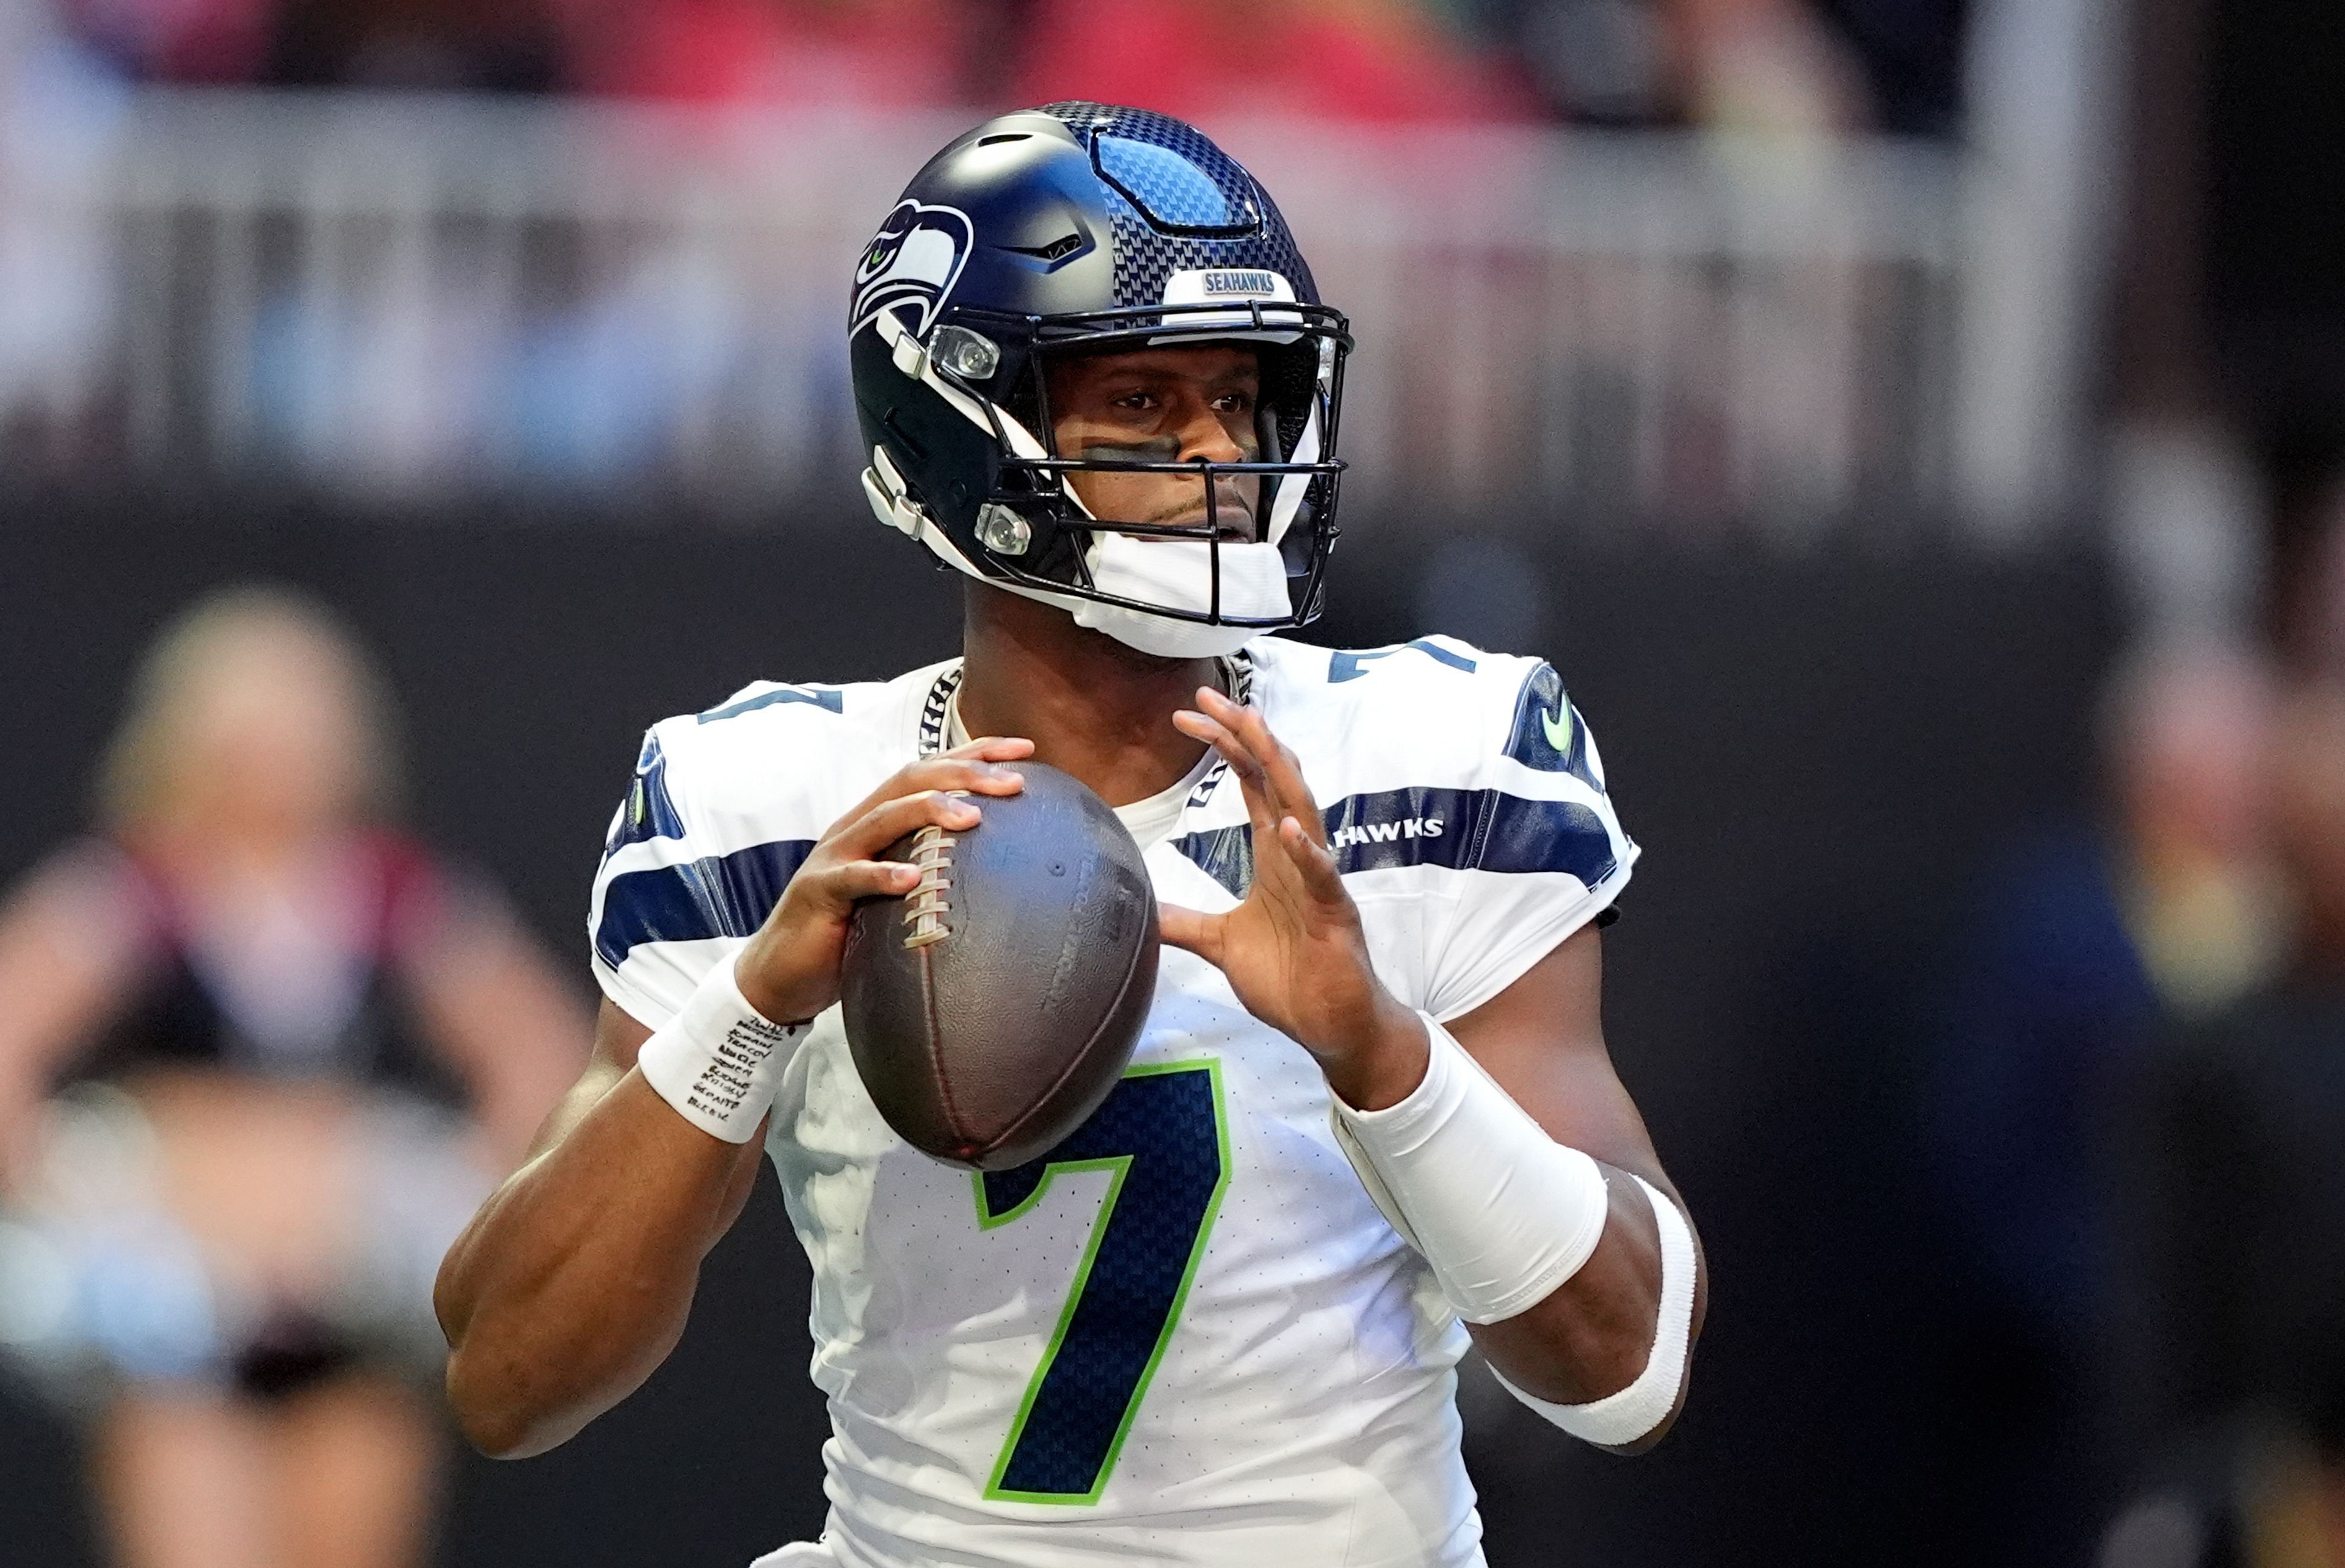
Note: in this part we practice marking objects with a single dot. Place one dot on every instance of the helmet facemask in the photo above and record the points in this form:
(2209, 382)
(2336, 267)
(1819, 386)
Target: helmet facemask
(1034, 533)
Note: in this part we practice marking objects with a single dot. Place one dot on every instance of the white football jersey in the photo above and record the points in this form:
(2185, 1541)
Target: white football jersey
(1185, 1336)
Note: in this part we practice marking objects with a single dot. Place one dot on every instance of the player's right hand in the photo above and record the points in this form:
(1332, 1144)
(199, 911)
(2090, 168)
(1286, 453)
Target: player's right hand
(789, 970)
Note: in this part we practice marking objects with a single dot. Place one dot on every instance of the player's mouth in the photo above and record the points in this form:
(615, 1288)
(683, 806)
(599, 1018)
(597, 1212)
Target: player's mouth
(1230, 519)
(1194, 527)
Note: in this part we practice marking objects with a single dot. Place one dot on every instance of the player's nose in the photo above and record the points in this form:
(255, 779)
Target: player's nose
(1206, 437)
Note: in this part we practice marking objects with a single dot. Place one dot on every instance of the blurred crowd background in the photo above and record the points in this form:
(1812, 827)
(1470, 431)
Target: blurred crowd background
(1915, 428)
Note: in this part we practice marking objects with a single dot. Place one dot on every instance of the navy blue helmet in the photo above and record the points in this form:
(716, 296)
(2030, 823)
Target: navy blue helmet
(1074, 229)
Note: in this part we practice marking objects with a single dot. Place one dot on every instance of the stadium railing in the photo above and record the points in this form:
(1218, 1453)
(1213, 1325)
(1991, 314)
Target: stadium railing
(425, 296)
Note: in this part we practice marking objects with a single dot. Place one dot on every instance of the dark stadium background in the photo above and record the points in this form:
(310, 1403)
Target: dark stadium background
(1826, 725)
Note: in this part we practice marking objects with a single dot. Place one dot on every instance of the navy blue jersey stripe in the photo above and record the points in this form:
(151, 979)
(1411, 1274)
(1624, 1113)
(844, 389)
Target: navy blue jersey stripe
(825, 697)
(721, 895)
(1351, 664)
(1487, 830)
(1226, 854)
(730, 896)
(1523, 835)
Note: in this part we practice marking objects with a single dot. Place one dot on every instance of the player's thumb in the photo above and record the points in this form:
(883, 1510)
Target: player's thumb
(1190, 931)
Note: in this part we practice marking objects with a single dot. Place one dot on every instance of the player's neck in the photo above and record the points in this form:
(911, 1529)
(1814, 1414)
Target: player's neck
(1093, 707)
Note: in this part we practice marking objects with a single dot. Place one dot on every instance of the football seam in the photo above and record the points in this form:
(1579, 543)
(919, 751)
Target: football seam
(1076, 1060)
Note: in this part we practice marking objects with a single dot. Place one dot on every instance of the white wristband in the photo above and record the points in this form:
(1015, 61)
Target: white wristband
(1503, 1212)
(1622, 1418)
(719, 1060)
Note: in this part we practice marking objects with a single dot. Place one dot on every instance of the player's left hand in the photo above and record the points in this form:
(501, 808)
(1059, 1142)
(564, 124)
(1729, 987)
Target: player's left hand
(1293, 950)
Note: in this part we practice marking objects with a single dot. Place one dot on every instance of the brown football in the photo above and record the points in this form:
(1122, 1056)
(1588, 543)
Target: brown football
(991, 1010)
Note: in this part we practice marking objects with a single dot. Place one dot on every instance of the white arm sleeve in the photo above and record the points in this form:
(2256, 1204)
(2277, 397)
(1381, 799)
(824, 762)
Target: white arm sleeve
(1622, 1418)
(1503, 1212)
(1505, 1215)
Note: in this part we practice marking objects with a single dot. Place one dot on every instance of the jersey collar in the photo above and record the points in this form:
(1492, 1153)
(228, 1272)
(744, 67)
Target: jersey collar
(1237, 679)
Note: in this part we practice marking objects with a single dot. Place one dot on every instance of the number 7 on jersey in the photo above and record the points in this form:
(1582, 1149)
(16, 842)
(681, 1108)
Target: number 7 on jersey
(1163, 1138)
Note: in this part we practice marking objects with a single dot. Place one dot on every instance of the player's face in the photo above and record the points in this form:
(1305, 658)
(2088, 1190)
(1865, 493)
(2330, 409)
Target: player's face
(1160, 405)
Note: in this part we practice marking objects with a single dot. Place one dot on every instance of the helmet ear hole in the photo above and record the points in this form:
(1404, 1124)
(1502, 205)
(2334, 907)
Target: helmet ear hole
(1027, 401)
(1267, 432)
(1290, 385)
(1023, 401)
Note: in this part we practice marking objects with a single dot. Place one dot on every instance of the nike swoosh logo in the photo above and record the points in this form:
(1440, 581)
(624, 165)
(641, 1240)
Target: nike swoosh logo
(1558, 729)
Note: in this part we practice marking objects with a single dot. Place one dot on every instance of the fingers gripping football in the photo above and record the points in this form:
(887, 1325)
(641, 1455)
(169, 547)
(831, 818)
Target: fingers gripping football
(789, 969)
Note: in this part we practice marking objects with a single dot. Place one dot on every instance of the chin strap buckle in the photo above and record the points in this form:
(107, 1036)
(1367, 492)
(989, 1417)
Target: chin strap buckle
(884, 488)
(909, 357)
(902, 347)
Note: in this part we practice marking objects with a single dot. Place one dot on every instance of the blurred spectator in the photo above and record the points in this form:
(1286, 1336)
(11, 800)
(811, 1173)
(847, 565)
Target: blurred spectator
(204, 41)
(1210, 60)
(2236, 1170)
(1606, 62)
(1763, 64)
(2088, 943)
(1768, 66)
(2088, 939)
(58, 261)
(885, 53)
(1911, 53)
(496, 45)
(220, 1237)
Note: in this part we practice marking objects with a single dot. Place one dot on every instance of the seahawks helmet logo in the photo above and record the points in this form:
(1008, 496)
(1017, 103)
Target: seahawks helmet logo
(913, 261)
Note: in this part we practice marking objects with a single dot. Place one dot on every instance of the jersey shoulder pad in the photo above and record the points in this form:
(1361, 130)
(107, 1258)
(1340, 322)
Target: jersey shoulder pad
(1444, 768)
(1545, 731)
(771, 760)
(1397, 665)
(724, 804)
(1438, 701)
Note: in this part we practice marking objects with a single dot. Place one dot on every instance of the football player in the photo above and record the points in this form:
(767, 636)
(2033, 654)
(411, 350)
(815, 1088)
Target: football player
(1371, 1120)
